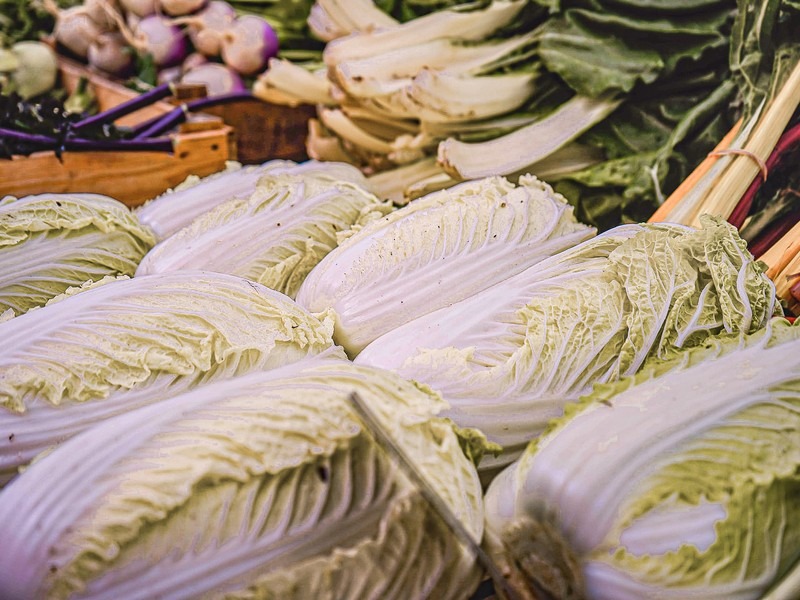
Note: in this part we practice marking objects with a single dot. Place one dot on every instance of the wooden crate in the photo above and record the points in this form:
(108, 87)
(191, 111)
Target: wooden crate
(131, 177)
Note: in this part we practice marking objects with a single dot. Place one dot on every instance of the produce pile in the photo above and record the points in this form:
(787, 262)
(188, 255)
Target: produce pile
(193, 361)
(609, 409)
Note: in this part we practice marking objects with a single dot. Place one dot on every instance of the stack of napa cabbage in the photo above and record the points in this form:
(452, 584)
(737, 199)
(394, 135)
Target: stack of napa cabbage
(188, 432)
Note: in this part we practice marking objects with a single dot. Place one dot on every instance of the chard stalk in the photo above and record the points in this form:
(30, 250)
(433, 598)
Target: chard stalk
(519, 149)
(723, 197)
(330, 19)
(464, 23)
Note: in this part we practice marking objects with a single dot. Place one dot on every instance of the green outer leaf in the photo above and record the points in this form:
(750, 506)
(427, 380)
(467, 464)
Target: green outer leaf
(50, 242)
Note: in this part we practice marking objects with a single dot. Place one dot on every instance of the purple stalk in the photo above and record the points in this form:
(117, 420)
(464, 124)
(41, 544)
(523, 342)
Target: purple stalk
(80, 144)
(785, 143)
(178, 115)
(120, 110)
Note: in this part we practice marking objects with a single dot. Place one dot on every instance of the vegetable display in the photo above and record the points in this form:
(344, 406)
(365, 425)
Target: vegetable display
(681, 482)
(510, 357)
(293, 497)
(97, 352)
(440, 249)
(611, 102)
(51, 242)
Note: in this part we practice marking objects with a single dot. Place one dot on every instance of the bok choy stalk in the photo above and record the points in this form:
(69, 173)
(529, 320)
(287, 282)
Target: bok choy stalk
(266, 485)
(508, 358)
(275, 237)
(436, 251)
(88, 356)
(682, 481)
(51, 242)
(177, 208)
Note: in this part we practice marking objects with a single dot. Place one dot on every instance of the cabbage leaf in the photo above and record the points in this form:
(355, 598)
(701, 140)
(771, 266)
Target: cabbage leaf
(265, 485)
(51, 242)
(88, 356)
(274, 236)
(507, 359)
(682, 481)
(436, 251)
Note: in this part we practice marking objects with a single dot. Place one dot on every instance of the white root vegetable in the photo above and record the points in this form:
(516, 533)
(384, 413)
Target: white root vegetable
(207, 27)
(218, 79)
(111, 54)
(75, 30)
(248, 45)
(177, 8)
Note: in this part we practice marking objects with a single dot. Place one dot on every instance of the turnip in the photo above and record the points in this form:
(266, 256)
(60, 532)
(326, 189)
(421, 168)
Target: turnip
(32, 68)
(105, 13)
(218, 79)
(139, 8)
(111, 54)
(177, 8)
(75, 30)
(195, 59)
(163, 40)
(207, 27)
(248, 45)
(169, 75)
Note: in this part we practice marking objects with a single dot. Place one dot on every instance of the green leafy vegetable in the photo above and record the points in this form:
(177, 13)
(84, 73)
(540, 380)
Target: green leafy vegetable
(90, 355)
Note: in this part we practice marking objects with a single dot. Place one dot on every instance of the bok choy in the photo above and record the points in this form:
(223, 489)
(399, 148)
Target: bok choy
(90, 355)
(266, 485)
(680, 482)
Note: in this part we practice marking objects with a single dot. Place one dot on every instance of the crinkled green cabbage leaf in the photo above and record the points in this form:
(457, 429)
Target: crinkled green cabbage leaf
(266, 485)
(103, 351)
(682, 481)
(50, 242)
(507, 359)
(436, 251)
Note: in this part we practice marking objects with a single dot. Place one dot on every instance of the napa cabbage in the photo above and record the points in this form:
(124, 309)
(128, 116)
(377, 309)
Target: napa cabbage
(682, 481)
(88, 356)
(436, 251)
(51, 242)
(266, 485)
(508, 358)
(274, 236)
(177, 208)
